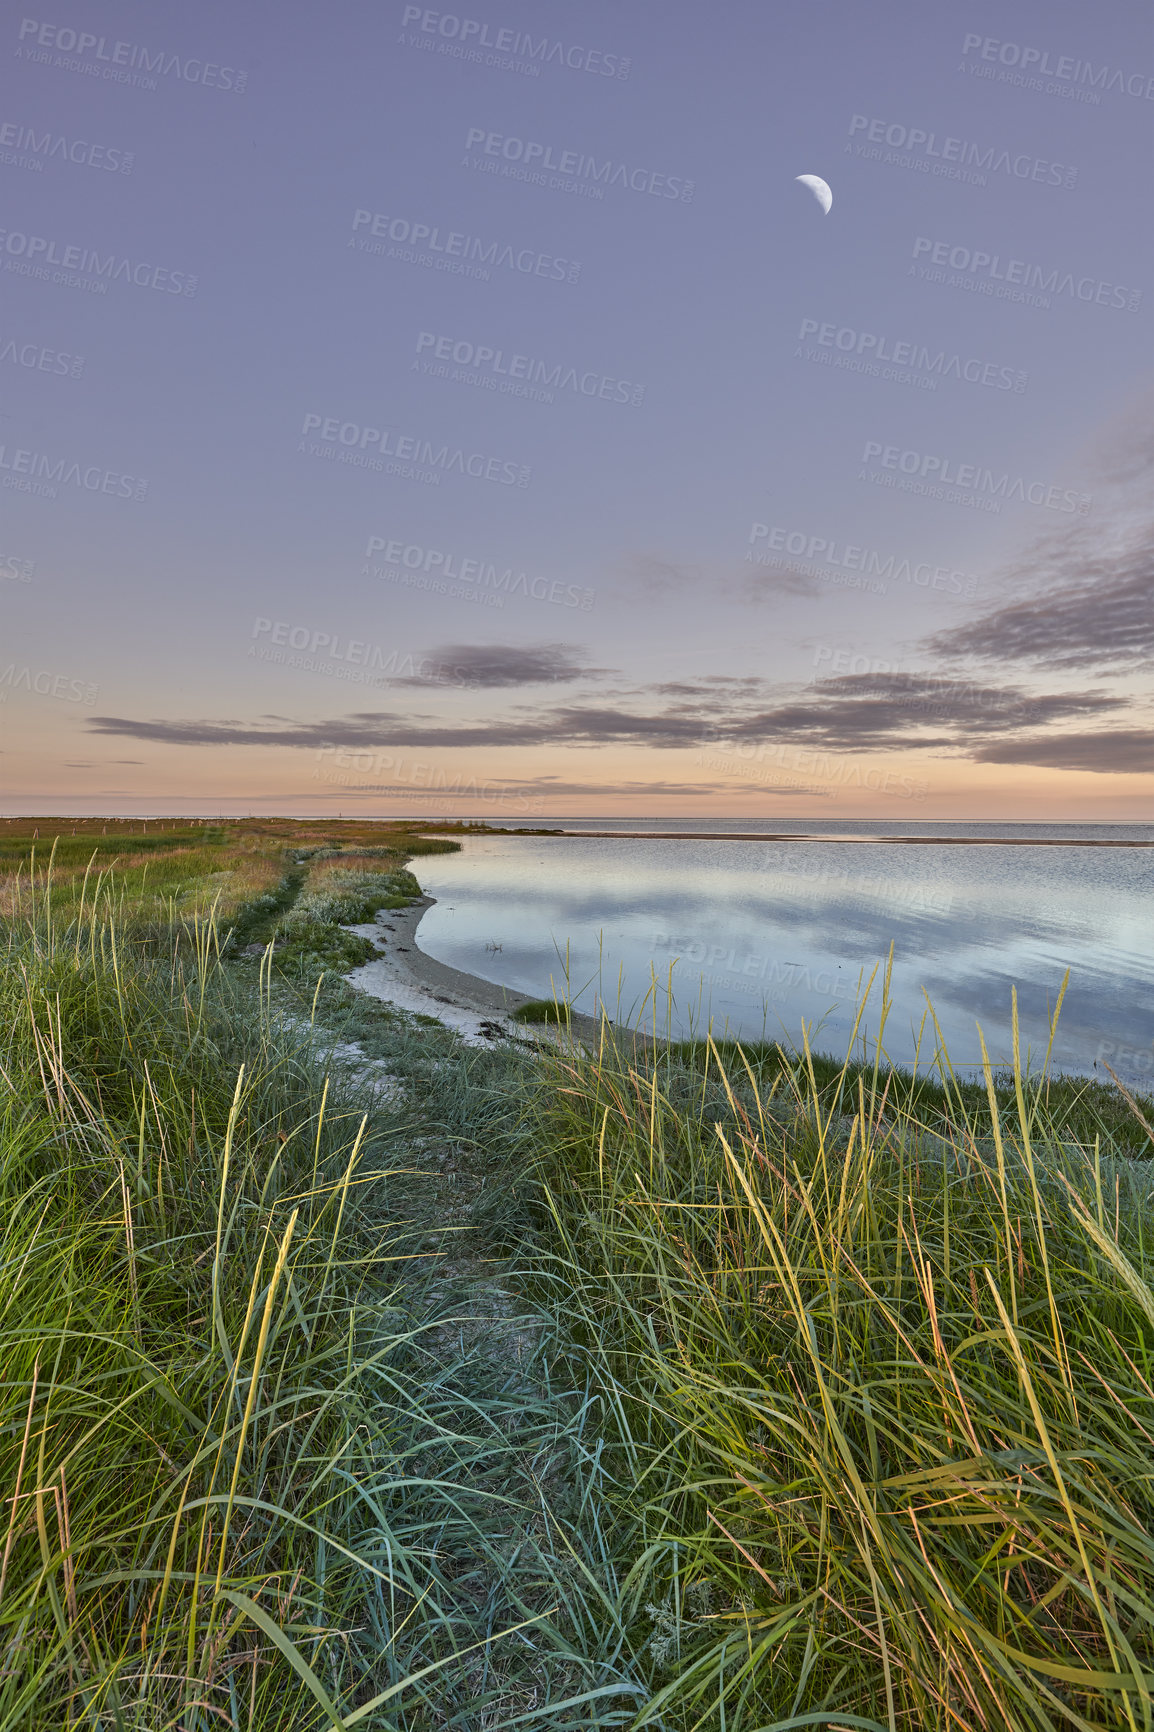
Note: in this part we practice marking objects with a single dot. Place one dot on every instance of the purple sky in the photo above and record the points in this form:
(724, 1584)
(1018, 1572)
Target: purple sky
(476, 414)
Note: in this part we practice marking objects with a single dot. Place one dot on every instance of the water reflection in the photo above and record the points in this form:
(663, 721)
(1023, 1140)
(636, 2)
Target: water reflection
(763, 936)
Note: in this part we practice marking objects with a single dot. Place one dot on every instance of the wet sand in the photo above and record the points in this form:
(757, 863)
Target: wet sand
(479, 1010)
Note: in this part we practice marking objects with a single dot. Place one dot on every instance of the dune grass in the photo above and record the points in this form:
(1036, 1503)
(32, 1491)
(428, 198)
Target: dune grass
(324, 891)
(253, 1472)
(883, 1387)
(750, 1390)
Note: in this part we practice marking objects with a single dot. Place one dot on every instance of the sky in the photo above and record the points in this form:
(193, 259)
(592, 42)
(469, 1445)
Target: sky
(470, 412)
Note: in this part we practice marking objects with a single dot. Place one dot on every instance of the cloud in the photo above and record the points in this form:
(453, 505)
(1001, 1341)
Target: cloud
(556, 785)
(1113, 751)
(711, 688)
(572, 725)
(499, 789)
(609, 726)
(1125, 450)
(770, 584)
(852, 713)
(498, 665)
(1083, 594)
(891, 711)
(1096, 609)
(200, 733)
(655, 575)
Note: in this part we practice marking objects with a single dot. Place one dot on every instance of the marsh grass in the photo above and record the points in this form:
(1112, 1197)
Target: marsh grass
(319, 899)
(671, 1385)
(150, 884)
(251, 1472)
(882, 1381)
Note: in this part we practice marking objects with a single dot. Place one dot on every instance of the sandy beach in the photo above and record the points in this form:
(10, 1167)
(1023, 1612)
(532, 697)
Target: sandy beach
(479, 1010)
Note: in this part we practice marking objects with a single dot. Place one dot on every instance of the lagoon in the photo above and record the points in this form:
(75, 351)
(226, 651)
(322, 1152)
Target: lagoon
(767, 938)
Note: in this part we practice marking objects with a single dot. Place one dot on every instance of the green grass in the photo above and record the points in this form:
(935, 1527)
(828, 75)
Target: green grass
(1080, 1107)
(883, 1384)
(665, 1385)
(318, 899)
(150, 883)
(258, 1465)
(542, 1010)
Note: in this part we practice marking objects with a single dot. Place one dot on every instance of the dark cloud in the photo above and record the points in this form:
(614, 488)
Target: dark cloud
(608, 726)
(568, 725)
(204, 733)
(1112, 752)
(851, 713)
(717, 688)
(1095, 609)
(502, 665)
(379, 729)
(1083, 595)
(892, 711)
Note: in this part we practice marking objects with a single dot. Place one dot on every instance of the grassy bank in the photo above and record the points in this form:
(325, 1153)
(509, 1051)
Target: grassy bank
(882, 1380)
(259, 1465)
(353, 1377)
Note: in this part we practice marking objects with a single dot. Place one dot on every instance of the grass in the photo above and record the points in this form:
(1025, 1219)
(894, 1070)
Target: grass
(259, 1468)
(542, 1010)
(353, 1377)
(883, 1386)
(175, 1326)
(1078, 1106)
(158, 879)
(343, 891)
(324, 891)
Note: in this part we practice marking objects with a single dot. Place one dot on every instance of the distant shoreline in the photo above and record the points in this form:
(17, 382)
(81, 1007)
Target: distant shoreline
(794, 836)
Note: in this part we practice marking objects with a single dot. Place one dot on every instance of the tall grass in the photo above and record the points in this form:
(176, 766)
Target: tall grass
(884, 1392)
(247, 1478)
(147, 883)
(845, 1417)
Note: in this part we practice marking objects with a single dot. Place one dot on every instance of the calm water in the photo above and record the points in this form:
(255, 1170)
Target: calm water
(764, 935)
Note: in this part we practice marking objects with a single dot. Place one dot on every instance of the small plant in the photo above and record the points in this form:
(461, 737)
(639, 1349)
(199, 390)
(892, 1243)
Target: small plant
(542, 1010)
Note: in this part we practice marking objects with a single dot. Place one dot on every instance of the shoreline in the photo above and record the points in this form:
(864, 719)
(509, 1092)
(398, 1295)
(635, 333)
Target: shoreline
(794, 836)
(479, 1010)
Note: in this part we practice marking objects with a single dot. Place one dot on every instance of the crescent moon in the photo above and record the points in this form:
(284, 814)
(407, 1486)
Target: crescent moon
(819, 188)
